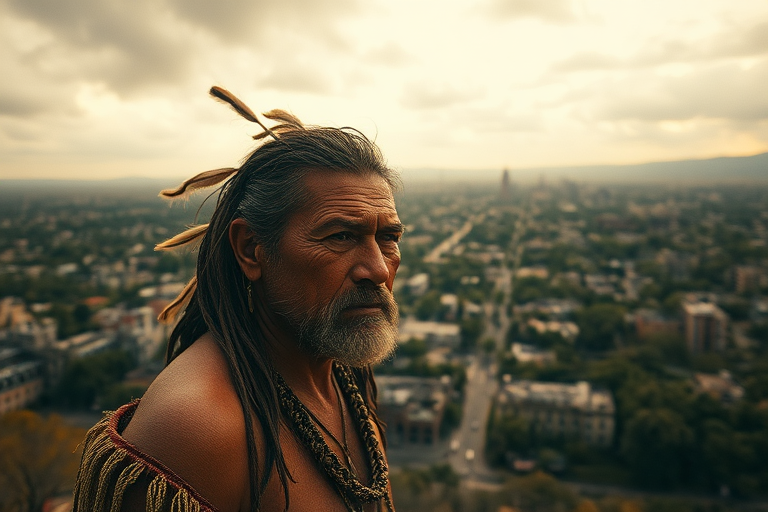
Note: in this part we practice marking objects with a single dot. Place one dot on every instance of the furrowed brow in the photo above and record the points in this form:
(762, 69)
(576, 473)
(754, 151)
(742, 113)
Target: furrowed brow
(346, 224)
(395, 227)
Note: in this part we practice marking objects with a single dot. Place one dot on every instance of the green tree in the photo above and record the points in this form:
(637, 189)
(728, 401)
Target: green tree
(656, 445)
(428, 306)
(90, 377)
(599, 325)
(471, 329)
(507, 433)
(37, 459)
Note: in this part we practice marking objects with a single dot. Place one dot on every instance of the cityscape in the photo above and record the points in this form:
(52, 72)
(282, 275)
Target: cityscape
(562, 345)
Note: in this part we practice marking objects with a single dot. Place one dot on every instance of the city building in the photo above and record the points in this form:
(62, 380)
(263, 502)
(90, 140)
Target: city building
(418, 284)
(706, 327)
(568, 330)
(88, 343)
(412, 407)
(504, 192)
(22, 379)
(33, 334)
(749, 278)
(433, 333)
(720, 386)
(649, 322)
(531, 354)
(561, 410)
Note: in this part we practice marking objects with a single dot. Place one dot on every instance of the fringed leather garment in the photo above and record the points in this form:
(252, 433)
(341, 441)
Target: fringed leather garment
(110, 465)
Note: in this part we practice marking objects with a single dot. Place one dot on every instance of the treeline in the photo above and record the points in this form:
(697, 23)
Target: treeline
(434, 489)
(668, 435)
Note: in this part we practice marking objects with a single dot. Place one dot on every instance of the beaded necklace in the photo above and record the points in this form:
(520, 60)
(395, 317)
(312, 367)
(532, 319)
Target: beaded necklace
(348, 485)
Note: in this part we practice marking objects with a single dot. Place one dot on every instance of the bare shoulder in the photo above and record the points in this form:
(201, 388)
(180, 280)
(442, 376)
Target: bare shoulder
(191, 420)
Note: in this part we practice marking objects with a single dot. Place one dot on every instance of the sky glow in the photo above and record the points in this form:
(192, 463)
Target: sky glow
(106, 89)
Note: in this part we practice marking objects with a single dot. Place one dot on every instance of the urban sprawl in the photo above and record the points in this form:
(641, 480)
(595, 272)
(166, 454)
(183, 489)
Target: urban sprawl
(611, 335)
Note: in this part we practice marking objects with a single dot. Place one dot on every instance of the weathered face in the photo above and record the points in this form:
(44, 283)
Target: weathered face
(336, 263)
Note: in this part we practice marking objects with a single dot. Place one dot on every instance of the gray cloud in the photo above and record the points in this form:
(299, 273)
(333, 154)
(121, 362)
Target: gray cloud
(126, 45)
(731, 43)
(298, 77)
(264, 21)
(423, 96)
(557, 11)
(144, 44)
(722, 91)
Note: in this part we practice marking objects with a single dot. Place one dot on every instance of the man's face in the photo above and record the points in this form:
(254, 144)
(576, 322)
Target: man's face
(331, 281)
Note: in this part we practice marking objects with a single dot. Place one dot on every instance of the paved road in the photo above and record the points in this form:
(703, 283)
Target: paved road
(447, 245)
(479, 391)
(468, 459)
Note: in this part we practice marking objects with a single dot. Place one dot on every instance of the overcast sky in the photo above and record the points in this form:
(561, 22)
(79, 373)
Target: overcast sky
(108, 88)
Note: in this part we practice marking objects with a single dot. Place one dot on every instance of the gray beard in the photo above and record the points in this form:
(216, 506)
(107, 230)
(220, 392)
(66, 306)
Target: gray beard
(325, 333)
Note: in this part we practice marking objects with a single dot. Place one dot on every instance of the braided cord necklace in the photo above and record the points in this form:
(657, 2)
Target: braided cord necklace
(352, 491)
(345, 445)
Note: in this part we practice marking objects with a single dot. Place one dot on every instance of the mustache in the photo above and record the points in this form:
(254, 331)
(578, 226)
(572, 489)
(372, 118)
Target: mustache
(364, 296)
(360, 296)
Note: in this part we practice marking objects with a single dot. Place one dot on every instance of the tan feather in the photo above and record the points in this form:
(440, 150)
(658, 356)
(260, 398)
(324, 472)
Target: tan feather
(239, 107)
(283, 116)
(279, 129)
(202, 180)
(234, 102)
(183, 238)
(171, 310)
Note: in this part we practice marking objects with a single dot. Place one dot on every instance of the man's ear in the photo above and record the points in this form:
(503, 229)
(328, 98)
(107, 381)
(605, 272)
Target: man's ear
(248, 253)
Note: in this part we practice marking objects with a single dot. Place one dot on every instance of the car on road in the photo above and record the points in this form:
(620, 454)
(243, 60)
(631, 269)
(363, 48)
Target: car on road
(475, 425)
(454, 445)
(469, 455)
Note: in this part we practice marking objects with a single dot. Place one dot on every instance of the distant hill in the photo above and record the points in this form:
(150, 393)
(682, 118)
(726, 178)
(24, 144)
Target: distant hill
(120, 186)
(746, 169)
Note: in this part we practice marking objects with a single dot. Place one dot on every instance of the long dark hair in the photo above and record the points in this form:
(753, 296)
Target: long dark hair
(264, 191)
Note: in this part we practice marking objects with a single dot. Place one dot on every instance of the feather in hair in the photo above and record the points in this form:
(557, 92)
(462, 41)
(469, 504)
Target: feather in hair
(183, 238)
(279, 129)
(202, 180)
(283, 116)
(171, 310)
(239, 107)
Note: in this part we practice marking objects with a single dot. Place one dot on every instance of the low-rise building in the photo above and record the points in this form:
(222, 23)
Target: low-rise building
(561, 410)
(88, 343)
(568, 330)
(435, 334)
(412, 407)
(418, 284)
(531, 354)
(21, 380)
(649, 322)
(721, 386)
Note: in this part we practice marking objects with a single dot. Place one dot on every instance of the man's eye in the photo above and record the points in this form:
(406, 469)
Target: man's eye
(343, 236)
(392, 237)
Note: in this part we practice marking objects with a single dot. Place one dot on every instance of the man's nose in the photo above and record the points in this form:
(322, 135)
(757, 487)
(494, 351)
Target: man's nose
(372, 265)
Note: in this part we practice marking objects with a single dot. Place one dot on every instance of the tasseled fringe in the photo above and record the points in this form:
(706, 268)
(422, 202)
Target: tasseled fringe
(203, 180)
(107, 471)
(183, 238)
(179, 303)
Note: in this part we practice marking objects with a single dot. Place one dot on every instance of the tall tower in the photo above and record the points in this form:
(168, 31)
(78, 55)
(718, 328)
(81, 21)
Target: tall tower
(504, 194)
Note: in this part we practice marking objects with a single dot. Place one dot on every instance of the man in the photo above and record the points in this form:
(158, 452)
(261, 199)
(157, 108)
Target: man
(268, 401)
